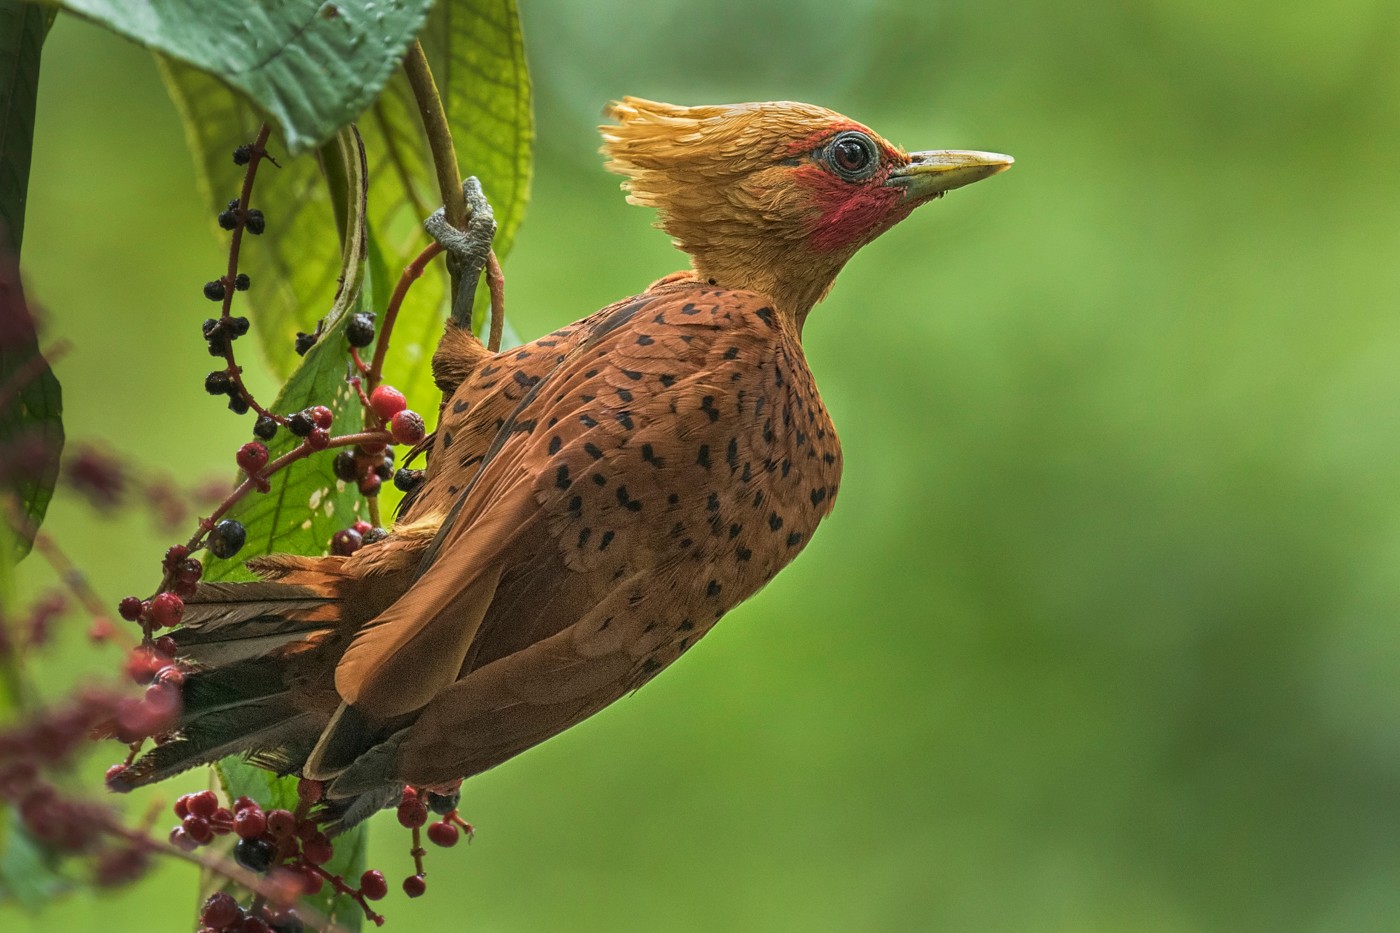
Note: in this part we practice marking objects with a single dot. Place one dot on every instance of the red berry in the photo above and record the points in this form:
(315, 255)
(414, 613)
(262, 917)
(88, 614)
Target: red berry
(197, 828)
(203, 803)
(166, 610)
(386, 402)
(407, 427)
(221, 821)
(249, 822)
(363, 527)
(174, 554)
(220, 911)
(443, 834)
(281, 824)
(190, 570)
(317, 851)
(181, 840)
(252, 457)
(182, 805)
(414, 886)
(170, 674)
(130, 608)
(369, 485)
(321, 416)
(413, 813)
(309, 791)
(373, 886)
(311, 882)
(245, 803)
(254, 925)
(345, 542)
(318, 439)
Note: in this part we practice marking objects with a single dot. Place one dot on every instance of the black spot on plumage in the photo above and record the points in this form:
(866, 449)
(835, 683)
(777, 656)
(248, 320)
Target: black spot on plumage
(818, 495)
(631, 505)
(576, 504)
(758, 405)
(735, 376)
(829, 458)
(689, 309)
(765, 315)
(521, 354)
(544, 342)
(644, 340)
(523, 427)
(685, 543)
(555, 443)
(794, 538)
(703, 457)
(446, 439)
(787, 467)
(649, 456)
(588, 421)
(561, 477)
(607, 539)
(524, 381)
(460, 406)
(677, 529)
(732, 353)
(590, 374)
(606, 623)
(583, 534)
(734, 530)
(632, 374)
(552, 422)
(801, 439)
(592, 450)
(758, 498)
(713, 589)
(624, 418)
(743, 553)
(685, 626)
(747, 473)
(624, 395)
(659, 319)
(599, 479)
(673, 499)
(707, 405)
(489, 370)
(634, 599)
(687, 338)
(668, 380)
(775, 521)
(731, 454)
(650, 666)
(712, 503)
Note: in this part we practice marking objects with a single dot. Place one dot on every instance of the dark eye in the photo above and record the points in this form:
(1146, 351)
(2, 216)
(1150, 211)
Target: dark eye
(852, 155)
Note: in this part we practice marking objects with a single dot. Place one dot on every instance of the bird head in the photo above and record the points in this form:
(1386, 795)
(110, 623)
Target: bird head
(774, 197)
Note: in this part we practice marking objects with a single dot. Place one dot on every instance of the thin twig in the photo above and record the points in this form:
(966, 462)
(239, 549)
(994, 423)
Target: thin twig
(410, 274)
(430, 109)
(496, 283)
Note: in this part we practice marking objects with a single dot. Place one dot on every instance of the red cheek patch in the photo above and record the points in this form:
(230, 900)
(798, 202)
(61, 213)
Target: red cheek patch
(850, 214)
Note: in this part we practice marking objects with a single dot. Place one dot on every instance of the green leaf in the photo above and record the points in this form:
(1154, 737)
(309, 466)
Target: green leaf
(478, 59)
(22, 31)
(31, 412)
(312, 66)
(31, 402)
(28, 874)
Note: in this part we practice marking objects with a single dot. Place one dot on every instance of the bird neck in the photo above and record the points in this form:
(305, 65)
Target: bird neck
(793, 287)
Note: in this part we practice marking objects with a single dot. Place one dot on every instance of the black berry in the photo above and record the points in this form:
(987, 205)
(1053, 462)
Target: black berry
(227, 538)
(443, 804)
(407, 480)
(243, 154)
(218, 383)
(242, 282)
(238, 405)
(266, 427)
(214, 290)
(300, 424)
(373, 536)
(254, 854)
(228, 219)
(345, 467)
(212, 327)
(256, 223)
(238, 326)
(304, 342)
(360, 330)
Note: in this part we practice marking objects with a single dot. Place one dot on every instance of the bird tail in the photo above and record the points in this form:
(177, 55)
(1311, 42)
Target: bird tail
(249, 652)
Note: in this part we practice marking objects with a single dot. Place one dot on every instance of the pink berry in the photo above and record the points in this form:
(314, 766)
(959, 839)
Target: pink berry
(197, 828)
(414, 886)
(318, 439)
(407, 427)
(363, 527)
(317, 851)
(166, 610)
(386, 402)
(220, 911)
(321, 416)
(281, 824)
(252, 457)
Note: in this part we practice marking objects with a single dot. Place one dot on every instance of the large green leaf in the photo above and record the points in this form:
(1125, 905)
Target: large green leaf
(312, 66)
(478, 59)
(31, 417)
(22, 31)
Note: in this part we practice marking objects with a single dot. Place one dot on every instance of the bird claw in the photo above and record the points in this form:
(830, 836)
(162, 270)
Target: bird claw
(468, 249)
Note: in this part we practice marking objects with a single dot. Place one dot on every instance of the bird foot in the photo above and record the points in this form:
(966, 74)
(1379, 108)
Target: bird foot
(468, 249)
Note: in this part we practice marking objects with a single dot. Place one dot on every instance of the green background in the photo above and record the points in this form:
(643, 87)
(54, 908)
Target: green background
(1105, 631)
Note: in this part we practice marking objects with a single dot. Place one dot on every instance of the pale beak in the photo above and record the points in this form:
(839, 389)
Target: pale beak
(930, 174)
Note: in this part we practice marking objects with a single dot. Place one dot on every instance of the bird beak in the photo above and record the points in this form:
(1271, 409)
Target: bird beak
(930, 174)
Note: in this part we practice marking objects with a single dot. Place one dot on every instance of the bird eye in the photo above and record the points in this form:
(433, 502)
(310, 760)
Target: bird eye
(852, 155)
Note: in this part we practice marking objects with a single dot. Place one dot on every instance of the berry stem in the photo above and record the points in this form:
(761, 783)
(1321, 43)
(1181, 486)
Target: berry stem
(411, 273)
(496, 283)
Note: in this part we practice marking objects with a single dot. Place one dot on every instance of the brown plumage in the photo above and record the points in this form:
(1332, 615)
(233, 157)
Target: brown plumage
(594, 501)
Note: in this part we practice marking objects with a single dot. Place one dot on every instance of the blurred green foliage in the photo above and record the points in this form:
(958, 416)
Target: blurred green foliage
(1103, 633)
